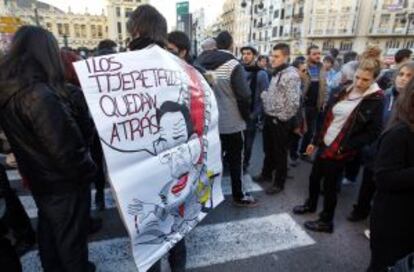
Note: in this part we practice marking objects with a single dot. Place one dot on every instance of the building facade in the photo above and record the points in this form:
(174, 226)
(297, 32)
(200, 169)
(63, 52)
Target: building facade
(199, 26)
(118, 12)
(354, 24)
(344, 24)
(70, 29)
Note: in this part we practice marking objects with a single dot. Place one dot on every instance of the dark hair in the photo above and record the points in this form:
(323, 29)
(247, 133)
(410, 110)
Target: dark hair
(224, 40)
(310, 48)
(297, 63)
(181, 40)
(148, 23)
(106, 44)
(263, 57)
(334, 52)
(171, 107)
(33, 56)
(350, 56)
(402, 54)
(404, 108)
(300, 58)
(329, 59)
(282, 47)
(68, 58)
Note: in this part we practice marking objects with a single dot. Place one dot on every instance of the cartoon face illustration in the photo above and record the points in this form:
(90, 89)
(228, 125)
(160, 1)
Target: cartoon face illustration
(179, 151)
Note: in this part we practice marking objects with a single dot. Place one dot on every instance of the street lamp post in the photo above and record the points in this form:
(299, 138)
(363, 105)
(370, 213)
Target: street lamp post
(36, 17)
(244, 5)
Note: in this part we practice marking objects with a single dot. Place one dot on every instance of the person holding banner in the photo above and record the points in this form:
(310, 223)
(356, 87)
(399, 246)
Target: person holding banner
(49, 148)
(148, 27)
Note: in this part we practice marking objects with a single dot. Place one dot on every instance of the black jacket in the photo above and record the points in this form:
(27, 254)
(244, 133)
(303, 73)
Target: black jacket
(366, 126)
(46, 140)
(76, 104)
(392, 217)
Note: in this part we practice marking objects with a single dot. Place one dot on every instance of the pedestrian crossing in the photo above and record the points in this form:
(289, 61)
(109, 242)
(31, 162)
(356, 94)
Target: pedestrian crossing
(207, 245)
(31, 209)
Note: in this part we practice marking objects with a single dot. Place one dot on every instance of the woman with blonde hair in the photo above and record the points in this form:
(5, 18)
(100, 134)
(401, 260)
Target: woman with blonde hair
(352, 120)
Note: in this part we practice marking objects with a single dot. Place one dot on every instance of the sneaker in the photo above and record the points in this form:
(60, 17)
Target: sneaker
(306, 158)
(100, 200)
(91, 267)
(95, 224)
(346, 181)
(356, 216)
(260, 179)
(303, 209)
(246, 202)
(319, 226)
(367, 234)
(294, 163)
(22, 247)
(274, 190)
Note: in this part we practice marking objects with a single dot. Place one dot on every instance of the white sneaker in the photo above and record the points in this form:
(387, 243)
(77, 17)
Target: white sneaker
(367, 234)
(346, 181)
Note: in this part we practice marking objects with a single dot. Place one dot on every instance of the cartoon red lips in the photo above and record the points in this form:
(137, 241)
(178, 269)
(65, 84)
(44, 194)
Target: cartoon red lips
(176, 189)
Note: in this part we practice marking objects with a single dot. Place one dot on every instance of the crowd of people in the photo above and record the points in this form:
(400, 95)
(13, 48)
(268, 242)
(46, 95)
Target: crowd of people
(340, 114)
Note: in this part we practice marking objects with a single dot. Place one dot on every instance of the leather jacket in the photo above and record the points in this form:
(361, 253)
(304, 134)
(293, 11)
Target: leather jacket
(52, 154)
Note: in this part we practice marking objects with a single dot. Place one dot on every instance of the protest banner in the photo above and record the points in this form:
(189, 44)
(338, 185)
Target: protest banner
(157, 119)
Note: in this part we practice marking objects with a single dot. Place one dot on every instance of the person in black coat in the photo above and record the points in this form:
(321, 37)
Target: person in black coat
(52, 155)
(392, 217)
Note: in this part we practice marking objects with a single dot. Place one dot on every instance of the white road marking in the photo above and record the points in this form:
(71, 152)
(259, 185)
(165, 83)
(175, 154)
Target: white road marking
(206, 245)
(31, 209)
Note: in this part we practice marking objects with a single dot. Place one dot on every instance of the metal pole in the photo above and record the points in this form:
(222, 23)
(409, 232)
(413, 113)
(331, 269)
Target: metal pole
(251, 21)
(36, 17)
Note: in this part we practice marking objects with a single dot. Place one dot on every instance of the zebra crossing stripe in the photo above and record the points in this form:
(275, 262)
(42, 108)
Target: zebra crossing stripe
(31, 209)
(207, 245)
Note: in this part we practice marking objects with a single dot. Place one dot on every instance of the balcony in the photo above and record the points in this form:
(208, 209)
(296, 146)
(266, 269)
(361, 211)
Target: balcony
(298, 17)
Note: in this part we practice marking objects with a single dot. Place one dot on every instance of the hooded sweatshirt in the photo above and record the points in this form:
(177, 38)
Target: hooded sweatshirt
(230, 88)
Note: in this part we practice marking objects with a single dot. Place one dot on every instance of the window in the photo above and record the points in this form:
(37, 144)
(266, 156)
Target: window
(260, 36)
(384, 21)
(343, 25)
(254, 36)
(282, 14)
(118, 12)
(93, 31)
(280, 30)
(400, 23)
(66, 29)
(410, 44)
(346, 46)
(392, 44)
(326, 45)
(274, 31)
(100, 32)
(83, 31)
(60, 29)
(77, 31)
(276, 14)
(128, 12)
(119, 28)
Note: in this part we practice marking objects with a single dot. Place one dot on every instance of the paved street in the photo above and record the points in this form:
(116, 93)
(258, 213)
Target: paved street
(266, 238)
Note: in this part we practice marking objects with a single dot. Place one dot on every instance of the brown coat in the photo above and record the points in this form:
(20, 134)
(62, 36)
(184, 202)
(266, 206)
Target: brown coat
(323, 88)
